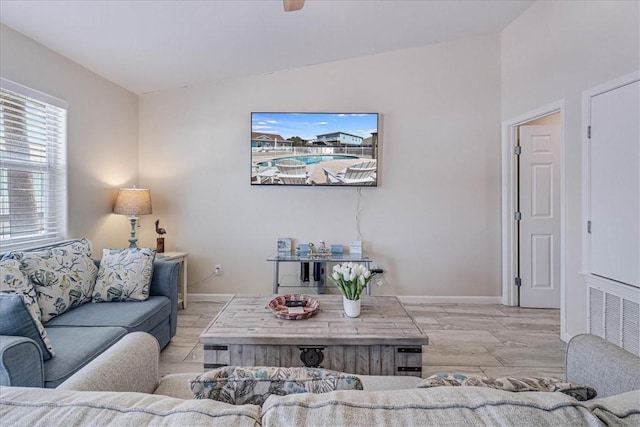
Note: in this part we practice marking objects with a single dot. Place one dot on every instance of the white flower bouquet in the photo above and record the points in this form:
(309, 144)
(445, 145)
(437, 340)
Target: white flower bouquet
(351, 279)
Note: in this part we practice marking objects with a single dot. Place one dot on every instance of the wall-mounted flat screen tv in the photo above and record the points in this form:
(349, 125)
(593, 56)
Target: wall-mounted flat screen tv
(332, 149)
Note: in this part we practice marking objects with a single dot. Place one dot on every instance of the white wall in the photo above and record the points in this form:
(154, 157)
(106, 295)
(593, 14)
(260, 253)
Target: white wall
(554, 51)
(102, 134)
(433, 223)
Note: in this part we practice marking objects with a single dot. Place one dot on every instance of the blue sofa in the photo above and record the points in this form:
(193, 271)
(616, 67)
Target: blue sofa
(83, 333)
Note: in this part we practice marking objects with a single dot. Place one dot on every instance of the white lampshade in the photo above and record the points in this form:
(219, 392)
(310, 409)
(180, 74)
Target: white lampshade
(133, 201)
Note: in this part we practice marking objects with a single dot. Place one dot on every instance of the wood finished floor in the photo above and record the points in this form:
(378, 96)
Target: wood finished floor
(492, 340)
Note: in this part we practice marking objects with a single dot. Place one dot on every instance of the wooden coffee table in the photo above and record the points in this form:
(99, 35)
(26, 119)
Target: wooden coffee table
(384, 340)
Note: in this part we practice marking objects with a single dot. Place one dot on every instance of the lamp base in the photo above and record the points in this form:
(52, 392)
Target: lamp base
(133, 239)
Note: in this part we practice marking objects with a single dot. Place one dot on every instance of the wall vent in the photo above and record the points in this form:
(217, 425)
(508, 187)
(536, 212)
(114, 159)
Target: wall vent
(630, 325)
(614, 314)
(596, 310)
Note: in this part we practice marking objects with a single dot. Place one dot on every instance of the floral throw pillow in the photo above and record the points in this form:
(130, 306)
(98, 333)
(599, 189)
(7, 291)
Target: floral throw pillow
(15, 282)
(124, 275)
(63, 276)
(253, 385)
(515, 384)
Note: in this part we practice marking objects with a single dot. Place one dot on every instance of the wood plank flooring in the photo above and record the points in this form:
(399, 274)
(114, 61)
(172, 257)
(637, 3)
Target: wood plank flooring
(493, 340)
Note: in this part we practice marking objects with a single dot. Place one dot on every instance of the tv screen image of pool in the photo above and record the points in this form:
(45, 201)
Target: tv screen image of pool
(307, 149)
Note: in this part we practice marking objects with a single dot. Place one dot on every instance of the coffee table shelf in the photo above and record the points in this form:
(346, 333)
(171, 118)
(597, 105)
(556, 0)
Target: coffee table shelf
(384, 340)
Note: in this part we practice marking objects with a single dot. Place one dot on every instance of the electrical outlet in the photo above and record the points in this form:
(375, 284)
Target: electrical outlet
(217, 271)
(378, 275)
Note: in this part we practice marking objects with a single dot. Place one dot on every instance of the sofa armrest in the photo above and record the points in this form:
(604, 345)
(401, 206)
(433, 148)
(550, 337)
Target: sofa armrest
(131, 364)
(20, 362)
(602, 365)
(165, 282)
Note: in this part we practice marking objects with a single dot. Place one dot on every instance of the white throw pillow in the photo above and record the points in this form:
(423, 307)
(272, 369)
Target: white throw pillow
(124, 275)
(63, 276)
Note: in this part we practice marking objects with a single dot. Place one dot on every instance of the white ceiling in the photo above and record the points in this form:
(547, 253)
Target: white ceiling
(147, 46)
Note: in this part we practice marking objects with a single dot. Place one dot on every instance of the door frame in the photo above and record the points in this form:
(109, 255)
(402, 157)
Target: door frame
(509, 140)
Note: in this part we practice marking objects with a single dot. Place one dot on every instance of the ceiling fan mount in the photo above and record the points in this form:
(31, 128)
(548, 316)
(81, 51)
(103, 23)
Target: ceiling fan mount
(292, 5)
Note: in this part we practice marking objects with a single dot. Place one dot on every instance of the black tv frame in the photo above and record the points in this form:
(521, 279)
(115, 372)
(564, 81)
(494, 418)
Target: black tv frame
(336, 142)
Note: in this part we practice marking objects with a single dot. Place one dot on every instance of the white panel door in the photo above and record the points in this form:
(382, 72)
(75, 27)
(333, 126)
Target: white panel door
(615, 184)
(540, 223)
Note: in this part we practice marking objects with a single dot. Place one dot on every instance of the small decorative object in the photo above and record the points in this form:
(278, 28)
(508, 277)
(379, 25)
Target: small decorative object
(322, 249)
(284, 245)
(133, 202)
(294, 306)
(160, 240)
(304, 249)
(351, 279)
(312, 249)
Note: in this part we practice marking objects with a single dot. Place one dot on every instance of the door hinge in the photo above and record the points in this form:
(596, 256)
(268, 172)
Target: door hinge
(589, 227)
(517, 150)
(517, 216)
(518, 281)
(589, 132)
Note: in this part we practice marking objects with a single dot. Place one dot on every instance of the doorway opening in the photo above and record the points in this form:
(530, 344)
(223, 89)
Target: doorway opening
(533, 209)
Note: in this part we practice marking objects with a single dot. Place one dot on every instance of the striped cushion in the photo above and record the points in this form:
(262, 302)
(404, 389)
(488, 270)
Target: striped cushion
(32, 406)
(618, 410)
(452, 406)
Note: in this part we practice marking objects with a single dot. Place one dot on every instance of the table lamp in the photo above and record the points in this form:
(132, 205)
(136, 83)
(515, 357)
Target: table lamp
(133, 202)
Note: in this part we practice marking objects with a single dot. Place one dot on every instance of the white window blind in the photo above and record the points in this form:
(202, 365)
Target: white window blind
(33, 185)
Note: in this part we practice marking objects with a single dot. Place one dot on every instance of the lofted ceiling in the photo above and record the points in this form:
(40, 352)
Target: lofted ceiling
(148, 45)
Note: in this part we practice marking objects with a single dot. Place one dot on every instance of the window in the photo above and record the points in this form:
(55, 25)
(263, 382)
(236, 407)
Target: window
(33, 187)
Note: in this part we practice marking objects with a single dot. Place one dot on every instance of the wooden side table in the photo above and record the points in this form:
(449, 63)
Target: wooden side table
(180, 257)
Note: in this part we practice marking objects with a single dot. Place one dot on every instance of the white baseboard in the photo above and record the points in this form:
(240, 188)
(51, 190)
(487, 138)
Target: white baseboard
(449, 300)
(403, 298)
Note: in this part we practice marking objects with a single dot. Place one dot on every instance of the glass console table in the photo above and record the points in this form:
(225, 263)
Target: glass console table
(317, 266)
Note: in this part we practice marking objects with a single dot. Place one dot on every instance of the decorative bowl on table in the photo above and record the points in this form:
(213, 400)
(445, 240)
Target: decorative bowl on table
(278, 306)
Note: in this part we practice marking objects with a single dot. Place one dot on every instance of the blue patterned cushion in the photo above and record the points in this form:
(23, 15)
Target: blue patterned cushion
(63, 276)
(124, 275)
(16, 282)
(253, 385)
